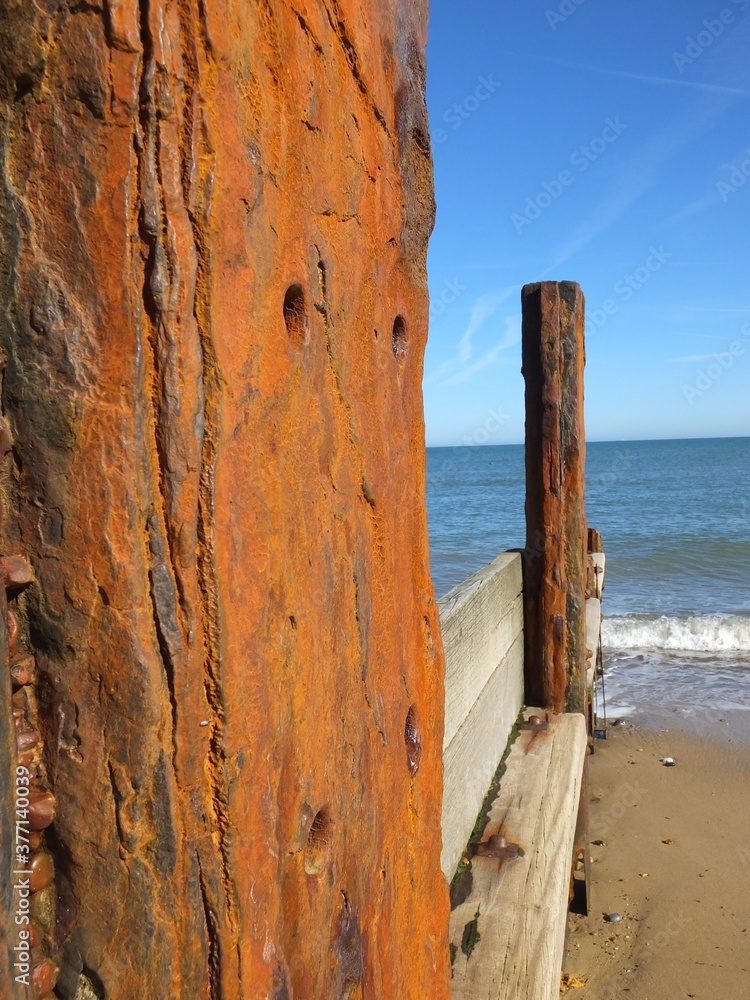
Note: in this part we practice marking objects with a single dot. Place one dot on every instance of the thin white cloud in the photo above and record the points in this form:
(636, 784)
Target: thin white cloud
(660, 81)
(437, 374)
(484, 307)
(664, 81)
(693, 208)
(511, 337)
(639, 172)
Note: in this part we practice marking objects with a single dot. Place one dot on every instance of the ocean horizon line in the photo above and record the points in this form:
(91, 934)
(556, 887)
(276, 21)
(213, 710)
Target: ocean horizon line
(589, 441)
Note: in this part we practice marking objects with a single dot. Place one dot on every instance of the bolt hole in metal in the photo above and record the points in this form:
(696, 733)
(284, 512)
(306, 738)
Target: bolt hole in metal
(295, 315)
(413, 741)
(400, 337)
(319, 840)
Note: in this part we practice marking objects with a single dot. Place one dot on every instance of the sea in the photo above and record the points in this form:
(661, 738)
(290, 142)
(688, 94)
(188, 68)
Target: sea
(675, 521)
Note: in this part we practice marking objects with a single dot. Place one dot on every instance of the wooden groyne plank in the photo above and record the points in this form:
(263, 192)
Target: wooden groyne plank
(508, 935)
(472, 757)
(480, 619)
(482, 626)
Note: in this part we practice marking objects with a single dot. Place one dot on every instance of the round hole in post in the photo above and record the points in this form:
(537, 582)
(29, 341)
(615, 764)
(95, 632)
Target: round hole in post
(295, 315)
(399, 338)
(318, 847)
(413, 741)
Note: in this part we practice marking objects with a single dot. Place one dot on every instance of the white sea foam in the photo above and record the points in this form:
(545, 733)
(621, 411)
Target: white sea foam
(704, 633)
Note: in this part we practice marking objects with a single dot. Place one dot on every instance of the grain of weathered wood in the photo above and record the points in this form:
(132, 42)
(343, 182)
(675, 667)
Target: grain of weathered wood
(220, 489)
(479, 620)
(595, 540)
(518, 939)
(471, 758)
(555, 564)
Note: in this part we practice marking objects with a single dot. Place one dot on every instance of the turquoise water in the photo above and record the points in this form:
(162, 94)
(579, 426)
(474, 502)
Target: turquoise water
(675, 518)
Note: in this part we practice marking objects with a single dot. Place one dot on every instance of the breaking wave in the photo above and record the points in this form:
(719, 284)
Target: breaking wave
(702, 633)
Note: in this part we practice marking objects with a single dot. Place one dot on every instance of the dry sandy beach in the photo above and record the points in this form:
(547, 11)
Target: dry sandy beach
(674, 862)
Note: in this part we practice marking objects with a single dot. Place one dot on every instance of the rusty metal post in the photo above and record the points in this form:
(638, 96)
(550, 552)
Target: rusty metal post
(555, 557)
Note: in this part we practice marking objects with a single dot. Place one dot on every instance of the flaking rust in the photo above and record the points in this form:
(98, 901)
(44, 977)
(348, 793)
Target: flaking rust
(213, 232)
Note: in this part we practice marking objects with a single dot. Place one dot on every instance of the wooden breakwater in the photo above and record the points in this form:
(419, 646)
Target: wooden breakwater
(525, 631)
(511, 900)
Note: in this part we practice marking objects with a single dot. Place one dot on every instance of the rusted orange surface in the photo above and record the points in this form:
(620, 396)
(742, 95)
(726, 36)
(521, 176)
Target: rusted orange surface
(214, 225)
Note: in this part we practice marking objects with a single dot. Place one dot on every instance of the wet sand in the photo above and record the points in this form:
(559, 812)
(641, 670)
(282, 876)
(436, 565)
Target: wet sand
(675, 863)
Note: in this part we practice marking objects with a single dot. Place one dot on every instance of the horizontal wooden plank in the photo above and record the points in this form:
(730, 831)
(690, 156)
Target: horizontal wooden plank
(479, 620)
(471, 758)
(471, 663)
(506, 566)
(508, 935)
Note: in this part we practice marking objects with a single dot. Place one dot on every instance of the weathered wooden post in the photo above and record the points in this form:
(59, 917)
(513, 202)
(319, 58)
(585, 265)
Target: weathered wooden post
(555, 558)
(227, 671)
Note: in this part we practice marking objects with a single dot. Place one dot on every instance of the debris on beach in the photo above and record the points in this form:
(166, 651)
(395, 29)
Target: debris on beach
(668, 761)
(570, 982)
(613, 918)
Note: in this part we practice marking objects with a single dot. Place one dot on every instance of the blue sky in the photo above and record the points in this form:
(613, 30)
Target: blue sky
(607, 143)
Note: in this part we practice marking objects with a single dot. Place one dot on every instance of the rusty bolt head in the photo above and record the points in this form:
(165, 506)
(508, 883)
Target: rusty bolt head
(497, 846)
(534, 722)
